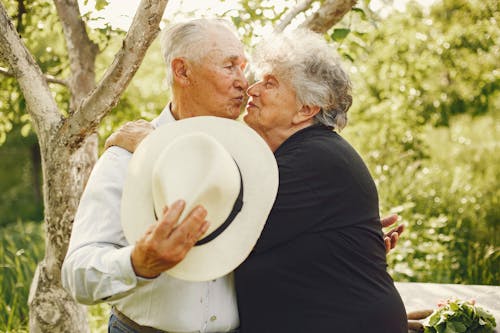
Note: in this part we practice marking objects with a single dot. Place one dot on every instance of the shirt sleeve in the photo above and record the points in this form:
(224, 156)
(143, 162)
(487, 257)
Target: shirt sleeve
(97, 266)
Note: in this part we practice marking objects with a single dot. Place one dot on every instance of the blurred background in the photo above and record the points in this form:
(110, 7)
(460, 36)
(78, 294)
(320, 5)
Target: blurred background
(425, 118)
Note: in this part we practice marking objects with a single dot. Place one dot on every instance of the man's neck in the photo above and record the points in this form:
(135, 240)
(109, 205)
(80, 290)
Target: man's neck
(182, 107)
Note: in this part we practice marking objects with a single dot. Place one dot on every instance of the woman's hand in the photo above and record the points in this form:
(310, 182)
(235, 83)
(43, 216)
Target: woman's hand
(129, 135)
(391, 238)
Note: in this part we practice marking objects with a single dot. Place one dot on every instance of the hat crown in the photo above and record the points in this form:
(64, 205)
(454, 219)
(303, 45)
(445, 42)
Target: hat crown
(197, 168)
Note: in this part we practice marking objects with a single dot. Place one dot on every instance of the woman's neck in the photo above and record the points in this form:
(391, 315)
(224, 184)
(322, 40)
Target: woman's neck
(275, 139)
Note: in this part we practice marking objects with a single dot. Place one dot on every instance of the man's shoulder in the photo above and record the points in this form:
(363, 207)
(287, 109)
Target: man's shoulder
(114, 160)
(115, 154)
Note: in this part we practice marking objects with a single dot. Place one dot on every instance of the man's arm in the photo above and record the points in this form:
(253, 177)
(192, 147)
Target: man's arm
(97, 266)
(100, 263)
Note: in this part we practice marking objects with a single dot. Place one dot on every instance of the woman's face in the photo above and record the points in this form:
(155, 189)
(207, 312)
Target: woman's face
(271, 107)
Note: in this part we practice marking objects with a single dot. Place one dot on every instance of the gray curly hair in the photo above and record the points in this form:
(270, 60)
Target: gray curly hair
(305, 59)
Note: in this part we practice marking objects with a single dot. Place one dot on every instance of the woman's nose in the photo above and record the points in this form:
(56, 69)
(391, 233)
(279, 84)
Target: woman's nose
(253, 90)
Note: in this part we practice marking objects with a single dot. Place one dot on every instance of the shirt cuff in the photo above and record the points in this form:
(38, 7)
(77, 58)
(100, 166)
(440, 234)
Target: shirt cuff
(124, 256)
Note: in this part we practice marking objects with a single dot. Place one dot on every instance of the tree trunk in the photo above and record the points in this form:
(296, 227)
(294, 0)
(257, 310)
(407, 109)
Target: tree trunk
(52, 309)
(35, 174)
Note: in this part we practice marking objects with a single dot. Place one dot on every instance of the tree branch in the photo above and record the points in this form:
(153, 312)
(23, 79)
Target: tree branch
(48, 78)
(40, 103)
(21, 10)
(290, 15)
(141, 34)
(330, 13)
(81, 50)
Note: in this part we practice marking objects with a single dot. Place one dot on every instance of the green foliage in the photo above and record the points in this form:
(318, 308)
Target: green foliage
(21, 247)
(42, 34)
(442, 61)
(98, 317)
(442, 182)
(448, 201)
(20, 178)
(340, 34)
(460, 317)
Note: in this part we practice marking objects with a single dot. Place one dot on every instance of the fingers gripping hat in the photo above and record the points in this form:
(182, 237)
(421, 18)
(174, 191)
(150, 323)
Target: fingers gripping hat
(219, 163)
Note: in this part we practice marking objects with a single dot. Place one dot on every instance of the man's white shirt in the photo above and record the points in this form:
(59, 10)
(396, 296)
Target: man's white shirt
(98, 267)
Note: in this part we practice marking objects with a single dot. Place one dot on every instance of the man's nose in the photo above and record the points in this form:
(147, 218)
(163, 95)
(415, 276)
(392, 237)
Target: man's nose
(241, 81)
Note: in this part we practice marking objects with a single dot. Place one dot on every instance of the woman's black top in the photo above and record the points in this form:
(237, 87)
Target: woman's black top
(320, 263)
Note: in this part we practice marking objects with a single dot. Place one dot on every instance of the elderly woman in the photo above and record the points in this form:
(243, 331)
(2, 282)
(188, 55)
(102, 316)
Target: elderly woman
(320, 263)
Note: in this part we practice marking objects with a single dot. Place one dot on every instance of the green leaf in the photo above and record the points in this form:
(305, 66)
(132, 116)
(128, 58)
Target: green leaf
(450, 328)
(340, 34)
(25, 130)
(101, 4)
(459, 327)
(360, 11)
(460, 317)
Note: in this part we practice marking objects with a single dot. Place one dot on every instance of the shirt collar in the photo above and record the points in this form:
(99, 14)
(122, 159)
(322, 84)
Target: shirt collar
(165, 116)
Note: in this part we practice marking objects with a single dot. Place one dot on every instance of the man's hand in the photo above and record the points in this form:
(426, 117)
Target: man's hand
(165, 243)
(129, 135)
(391, 238)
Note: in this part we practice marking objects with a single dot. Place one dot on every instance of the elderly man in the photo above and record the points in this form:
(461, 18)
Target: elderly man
(205, 64)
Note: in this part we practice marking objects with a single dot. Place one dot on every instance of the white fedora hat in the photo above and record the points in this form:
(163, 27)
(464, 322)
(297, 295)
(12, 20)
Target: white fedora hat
(219, 163)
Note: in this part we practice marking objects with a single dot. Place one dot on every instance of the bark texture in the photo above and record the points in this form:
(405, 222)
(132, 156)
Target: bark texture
(330, 13)
(68, 147)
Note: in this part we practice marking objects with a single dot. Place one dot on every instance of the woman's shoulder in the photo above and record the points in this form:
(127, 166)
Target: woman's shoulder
(317, 144)
(310, 140)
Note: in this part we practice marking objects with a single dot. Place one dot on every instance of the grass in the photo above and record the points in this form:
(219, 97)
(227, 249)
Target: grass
(21, 248)
(450, 204)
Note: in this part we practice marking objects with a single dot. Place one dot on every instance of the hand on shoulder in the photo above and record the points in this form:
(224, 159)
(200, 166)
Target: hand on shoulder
(130, 135)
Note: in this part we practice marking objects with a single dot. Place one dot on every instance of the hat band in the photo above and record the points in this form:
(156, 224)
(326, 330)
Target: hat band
(238, 204)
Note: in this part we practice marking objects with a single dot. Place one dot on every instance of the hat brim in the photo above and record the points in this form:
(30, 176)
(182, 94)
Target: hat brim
(259, 173)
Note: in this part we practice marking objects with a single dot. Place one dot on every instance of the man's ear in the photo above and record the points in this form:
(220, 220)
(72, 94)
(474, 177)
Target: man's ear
(306, 113)
(180, 71)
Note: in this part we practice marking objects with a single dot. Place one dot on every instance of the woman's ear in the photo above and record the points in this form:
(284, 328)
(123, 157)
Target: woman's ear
(306, 113)
(180, 71)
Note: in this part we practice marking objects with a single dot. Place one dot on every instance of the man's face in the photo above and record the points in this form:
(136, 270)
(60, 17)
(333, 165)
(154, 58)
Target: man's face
(217, 83)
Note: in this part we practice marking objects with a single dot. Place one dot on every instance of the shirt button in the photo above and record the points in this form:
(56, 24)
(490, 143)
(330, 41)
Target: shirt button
(213, 318)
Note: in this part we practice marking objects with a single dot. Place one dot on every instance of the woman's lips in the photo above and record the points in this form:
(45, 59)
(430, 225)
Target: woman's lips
(251, 105)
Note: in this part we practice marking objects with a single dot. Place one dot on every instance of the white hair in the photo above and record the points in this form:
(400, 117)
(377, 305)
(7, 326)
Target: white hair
(188, 40)
(305, 59)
